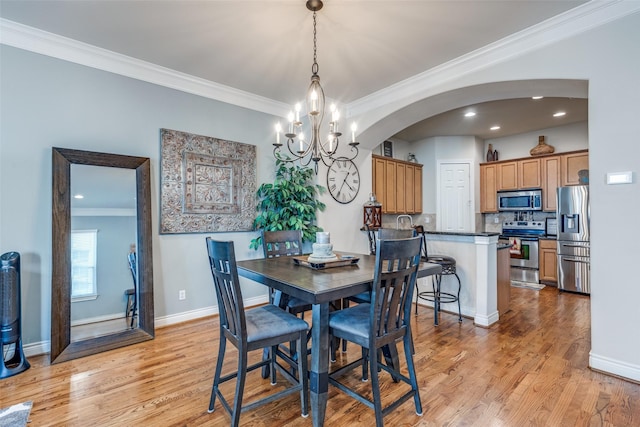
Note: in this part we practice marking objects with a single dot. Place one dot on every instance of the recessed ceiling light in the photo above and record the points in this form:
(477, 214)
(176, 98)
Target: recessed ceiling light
(495, 128)
(537, 97)
(559, 114)
(78, 196)
(469, 114)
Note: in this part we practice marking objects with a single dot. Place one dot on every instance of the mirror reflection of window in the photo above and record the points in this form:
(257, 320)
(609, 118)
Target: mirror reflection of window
(83, 260)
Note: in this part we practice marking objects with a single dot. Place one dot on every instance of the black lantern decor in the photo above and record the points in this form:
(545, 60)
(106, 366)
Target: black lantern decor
(373, 212)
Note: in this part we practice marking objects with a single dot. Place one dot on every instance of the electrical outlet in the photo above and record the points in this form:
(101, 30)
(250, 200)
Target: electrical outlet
(427, 220)
(182, 294)
(496, 220)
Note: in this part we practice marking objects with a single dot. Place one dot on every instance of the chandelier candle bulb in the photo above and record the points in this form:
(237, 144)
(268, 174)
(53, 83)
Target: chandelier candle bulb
(354, 127)
(298, 108)
(278, 130)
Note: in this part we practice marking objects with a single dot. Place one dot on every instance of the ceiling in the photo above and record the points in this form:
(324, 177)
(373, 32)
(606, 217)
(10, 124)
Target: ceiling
(265, 47)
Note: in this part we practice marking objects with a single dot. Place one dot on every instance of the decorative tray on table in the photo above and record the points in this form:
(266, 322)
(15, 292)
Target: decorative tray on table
(343, 260)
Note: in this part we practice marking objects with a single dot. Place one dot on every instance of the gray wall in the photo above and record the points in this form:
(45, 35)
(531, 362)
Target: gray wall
(49, 103)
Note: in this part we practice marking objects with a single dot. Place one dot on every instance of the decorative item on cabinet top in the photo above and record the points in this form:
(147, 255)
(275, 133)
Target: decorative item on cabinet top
(541, 148)
(492, 155)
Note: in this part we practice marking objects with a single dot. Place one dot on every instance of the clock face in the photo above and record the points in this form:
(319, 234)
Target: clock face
(343, 180)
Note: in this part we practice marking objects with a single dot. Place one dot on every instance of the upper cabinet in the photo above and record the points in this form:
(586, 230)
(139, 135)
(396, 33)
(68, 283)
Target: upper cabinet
(488, 187)
(397, 185)
(546, 172)
(570, 165)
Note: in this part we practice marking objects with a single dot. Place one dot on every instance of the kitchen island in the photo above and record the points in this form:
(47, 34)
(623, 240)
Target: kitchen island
(476, 264)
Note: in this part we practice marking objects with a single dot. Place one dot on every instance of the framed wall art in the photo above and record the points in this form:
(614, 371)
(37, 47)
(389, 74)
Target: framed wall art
(207, 184)
(387, 149)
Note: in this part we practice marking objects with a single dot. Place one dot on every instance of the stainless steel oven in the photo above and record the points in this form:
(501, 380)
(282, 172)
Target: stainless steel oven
(523, 237)
(524, 260)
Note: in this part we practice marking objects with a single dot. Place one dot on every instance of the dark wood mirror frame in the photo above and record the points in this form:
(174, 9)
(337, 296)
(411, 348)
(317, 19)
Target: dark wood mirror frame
(62, 349)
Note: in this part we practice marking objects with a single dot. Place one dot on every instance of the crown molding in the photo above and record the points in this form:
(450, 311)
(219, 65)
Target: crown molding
(575, 21)
(34, 40)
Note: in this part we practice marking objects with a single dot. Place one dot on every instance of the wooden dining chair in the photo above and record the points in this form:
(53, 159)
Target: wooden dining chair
(379, 324)
(249, 330)
(284, 243)
(383, 234)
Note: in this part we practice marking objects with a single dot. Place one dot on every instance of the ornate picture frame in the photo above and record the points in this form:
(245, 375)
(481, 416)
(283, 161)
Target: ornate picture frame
(207, 184)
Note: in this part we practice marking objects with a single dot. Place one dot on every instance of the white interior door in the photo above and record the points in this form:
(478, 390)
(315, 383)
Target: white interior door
(455, 211)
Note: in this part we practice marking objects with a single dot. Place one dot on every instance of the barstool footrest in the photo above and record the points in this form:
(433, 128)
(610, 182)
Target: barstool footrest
(443, 298)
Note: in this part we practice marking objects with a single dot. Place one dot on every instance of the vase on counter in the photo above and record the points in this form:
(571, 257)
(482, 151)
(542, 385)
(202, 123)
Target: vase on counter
(490, 154)
(541, 148)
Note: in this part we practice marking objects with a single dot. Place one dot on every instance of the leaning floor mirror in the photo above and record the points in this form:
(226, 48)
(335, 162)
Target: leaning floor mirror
(102, 276)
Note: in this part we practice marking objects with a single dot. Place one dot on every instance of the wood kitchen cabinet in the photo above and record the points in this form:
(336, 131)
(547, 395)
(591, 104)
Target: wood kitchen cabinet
(570, 165)
(548, 261)
(529, 173)
(546, 172)
(397, 185)
(488, 188)
(550, 182)
(508, 176)
(520, 174)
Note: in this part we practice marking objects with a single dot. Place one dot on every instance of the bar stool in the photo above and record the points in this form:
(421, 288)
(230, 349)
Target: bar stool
(436, 296)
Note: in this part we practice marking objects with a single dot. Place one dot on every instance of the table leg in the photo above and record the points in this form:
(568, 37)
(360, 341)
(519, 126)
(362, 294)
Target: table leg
(319, 375)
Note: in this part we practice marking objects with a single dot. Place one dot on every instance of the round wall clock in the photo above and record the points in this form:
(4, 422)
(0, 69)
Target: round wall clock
(343, 180)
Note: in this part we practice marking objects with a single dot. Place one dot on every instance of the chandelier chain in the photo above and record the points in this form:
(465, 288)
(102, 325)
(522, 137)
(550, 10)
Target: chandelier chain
(315, 67)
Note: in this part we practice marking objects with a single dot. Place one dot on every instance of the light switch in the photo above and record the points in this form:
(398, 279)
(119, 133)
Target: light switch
(619, 177)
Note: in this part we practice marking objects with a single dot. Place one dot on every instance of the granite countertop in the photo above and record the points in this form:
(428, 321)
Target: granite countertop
(452, 233)
(503, 246)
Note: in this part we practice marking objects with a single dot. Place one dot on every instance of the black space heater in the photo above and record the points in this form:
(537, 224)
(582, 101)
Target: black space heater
(12, 356)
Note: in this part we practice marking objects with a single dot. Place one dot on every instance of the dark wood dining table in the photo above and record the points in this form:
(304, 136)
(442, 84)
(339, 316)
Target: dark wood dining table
(319, 287)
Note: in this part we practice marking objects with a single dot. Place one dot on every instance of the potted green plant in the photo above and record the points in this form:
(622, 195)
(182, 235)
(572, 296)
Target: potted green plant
(289, 203)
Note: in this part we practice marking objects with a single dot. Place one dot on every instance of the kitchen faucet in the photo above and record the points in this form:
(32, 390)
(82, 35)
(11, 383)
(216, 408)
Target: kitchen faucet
(403, 216)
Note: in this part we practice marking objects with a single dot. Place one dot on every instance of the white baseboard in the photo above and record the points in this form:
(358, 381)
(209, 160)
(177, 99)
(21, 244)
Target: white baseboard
(615, 367)
(97, 319)
(43, 347)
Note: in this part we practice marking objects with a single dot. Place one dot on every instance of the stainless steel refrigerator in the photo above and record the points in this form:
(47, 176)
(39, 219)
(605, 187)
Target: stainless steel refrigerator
(574, 267)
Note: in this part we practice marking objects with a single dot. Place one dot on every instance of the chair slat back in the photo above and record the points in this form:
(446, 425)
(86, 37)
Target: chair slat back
(394, 280)
(222, 260)
(281, 243)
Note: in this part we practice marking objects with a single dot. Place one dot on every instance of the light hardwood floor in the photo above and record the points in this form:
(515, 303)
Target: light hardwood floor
(528, 370)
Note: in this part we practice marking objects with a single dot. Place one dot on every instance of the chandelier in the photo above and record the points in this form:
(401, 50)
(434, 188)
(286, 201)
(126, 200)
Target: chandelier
(314, 147)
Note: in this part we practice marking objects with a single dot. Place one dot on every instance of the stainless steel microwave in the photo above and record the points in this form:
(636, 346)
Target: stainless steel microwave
(524, 200)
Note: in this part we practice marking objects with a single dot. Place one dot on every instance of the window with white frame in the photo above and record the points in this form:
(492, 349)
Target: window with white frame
(83, 264)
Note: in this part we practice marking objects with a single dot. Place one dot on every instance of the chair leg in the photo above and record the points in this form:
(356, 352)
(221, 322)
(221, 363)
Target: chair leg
(240, 380)
(302, 374)
(345, 304)
(365, 365)
(272, 364)
(266, 368)
(216, 377)
(435, 284)
(375, 387)
(412, 373)
(459, 309)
